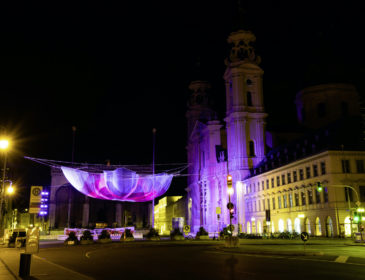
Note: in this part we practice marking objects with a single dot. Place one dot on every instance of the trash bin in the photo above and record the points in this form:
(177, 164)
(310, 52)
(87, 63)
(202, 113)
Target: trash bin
(24, 266)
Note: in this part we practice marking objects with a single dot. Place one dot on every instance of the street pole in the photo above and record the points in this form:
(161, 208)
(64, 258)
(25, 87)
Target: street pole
(2, 197)
(69, 190)
(153, 176)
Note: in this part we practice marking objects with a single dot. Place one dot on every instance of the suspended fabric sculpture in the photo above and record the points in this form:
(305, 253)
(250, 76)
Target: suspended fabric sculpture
(120, 184)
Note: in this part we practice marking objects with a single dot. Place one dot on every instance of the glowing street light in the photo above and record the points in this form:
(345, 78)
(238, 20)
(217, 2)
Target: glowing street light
(4, 144)
(10, 190)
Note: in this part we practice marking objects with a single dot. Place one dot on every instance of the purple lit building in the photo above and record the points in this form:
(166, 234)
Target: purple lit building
(216, 149)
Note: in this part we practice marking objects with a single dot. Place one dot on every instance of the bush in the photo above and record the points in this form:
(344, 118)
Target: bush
(224, 232)
(152, 233)
(249, 236)
(72, 237)
(285, 235)
(86, 235)
(201, 231)
(128, 233)
(104, 235)
(176, 232)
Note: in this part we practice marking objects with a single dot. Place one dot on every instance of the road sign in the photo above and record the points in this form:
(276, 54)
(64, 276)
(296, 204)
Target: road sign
(230, 205)
(35, 199)
(218, 210)
(186, 229)
(304, 236)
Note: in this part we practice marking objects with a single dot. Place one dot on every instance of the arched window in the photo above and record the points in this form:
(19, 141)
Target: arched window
(281, 225)
(318, 227)
(259, 227)
(252, 148)
(248, 82)
(249, 98)
(347, 227)
(297, 225)
(272, 226)
(248, 227)
(329, 227)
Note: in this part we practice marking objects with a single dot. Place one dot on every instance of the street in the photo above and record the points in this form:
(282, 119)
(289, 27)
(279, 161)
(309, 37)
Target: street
(193, 260)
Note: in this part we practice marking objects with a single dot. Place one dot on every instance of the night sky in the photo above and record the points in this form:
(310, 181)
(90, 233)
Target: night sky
(117, 71)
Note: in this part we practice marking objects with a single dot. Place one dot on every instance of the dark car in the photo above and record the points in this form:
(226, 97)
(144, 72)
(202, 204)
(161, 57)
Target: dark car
(18, 238)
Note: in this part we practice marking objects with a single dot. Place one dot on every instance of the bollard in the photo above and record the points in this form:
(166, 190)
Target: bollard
(24, 266)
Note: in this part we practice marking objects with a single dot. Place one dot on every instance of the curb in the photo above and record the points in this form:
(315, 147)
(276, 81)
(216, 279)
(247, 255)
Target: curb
(270, 252)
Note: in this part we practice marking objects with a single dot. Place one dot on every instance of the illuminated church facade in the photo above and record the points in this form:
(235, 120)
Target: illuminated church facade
(274, 181)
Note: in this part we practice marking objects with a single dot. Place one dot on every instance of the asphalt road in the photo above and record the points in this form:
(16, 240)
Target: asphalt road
(143, 260)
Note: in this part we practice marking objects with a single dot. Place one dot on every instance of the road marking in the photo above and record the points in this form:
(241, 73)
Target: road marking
(65, 268)
(341, 259)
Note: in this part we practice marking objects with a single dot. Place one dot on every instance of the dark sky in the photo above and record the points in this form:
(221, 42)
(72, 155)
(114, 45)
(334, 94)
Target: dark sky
(115, 71)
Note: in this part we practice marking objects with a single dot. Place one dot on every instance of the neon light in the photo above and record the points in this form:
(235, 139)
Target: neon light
(120, 184)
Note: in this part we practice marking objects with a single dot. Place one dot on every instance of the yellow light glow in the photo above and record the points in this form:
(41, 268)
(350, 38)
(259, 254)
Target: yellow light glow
(360, 210)
(253, 219)
(229, 177)
(301, 216)
(10, 190)
(4, 144)
(230, 191)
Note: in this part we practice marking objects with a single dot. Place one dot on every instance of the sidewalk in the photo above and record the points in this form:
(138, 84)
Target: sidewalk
(41, 269)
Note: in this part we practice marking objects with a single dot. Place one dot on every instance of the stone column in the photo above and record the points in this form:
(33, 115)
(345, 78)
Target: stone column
(85, 212)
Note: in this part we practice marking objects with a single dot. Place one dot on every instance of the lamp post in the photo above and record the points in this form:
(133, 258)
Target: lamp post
(10, 192)
(4, 144)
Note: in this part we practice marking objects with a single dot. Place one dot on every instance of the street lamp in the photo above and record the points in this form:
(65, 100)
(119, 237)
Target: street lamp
(4, 145)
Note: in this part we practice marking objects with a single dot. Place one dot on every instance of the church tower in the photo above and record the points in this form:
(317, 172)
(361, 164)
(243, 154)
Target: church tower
(245, 116)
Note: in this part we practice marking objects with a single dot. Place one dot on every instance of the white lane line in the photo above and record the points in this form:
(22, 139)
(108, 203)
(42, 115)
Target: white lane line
(65, 268)
(341, 259)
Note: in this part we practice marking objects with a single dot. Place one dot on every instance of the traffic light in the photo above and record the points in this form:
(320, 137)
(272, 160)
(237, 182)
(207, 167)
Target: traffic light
(231, 213)
(319, 187)
(356, 217)
(229, 181)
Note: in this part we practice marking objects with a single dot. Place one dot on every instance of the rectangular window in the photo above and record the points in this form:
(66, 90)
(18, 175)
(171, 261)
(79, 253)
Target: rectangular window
(254, 206)
(303, 198)
(258, 186)
(345, 166)
(262, 185)
(263, 204)
(259, 203)
(290, 200)
(267, 184)
(273, 203)
(289, 178)
(279, 202)
(318, 197)
(268, 204)
(296, 199)
(272, 182)
(307, 172)
(362, 193)
(277, 181)
(325, 195)
(285, 201)
(360, 166)
(247, 207)
(283, 179)
(348, 194)
(315, 170)
(310, 197)
(295, 178)
(323, 168)
(301, 174)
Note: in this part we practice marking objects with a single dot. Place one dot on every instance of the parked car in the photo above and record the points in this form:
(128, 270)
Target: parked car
(18, 238)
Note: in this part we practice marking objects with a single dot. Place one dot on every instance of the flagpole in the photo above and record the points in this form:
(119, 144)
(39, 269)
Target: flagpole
(69, 190)
(153, 176)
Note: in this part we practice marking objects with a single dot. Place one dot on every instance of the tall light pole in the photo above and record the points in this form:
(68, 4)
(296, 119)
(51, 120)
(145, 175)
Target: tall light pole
(153, 176)
(4, 144)
(69, 190)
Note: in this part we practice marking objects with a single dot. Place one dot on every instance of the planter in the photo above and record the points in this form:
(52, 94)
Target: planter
(202, 237)
(86, 242)
(154, 238)
(70, 242)
(177, 237)
(105, 240)
(127, 239)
